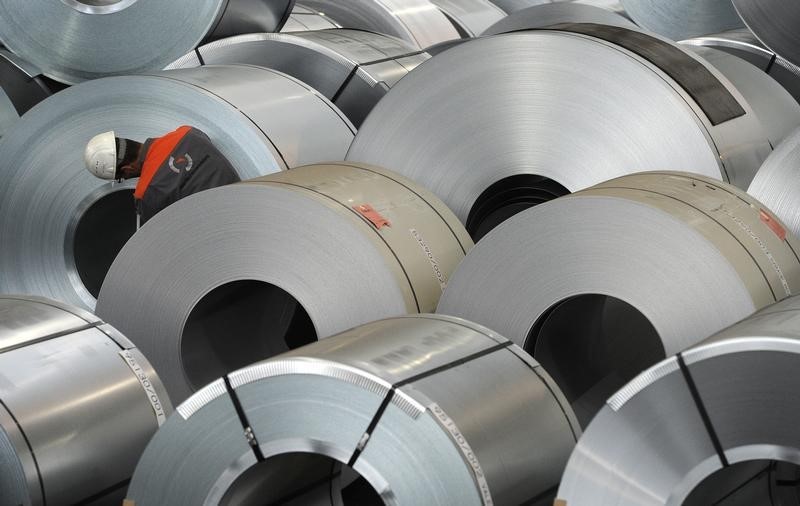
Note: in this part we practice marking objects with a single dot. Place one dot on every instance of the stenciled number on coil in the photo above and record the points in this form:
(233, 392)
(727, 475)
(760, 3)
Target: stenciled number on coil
(147, 385)
(437, 271)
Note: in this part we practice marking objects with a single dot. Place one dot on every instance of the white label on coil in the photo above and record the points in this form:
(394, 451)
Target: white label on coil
(147, 385)
(448, 423)
(426, 250)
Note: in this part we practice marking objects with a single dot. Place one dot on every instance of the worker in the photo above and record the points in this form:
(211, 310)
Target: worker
(169, 168)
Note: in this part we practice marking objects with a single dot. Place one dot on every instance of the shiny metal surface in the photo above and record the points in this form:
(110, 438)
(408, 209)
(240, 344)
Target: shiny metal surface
(682, 19)
(649, 445)
(744, 44)
(686, 255)
(298, 245)
(418, 22)
(511, 6)
(547, 14)
(777, 183)
(775, 108)
(525, 106)
(261, 120)
(470, 17)
(352, 68)
(251, 16)
(75, 415)
(303, 19)
(395, 399)
(774, 22)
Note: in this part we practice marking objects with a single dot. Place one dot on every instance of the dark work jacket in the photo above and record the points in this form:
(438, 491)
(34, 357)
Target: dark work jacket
(177, 165)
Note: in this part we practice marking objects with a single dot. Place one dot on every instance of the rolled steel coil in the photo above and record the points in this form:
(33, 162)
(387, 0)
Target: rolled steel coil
(418, 22)
(711, 409)
(775, 23)
(303, 19)
(683, 19)
(282, 259)
(427, 409)
(743, 43)
(604, 283)
(78, 404)
(470, 17)
(775, 108)
(548, 14)
(62, 227)
(352, 68)
(545, 112)
(21, 87)
(76, 40)
(777, 183)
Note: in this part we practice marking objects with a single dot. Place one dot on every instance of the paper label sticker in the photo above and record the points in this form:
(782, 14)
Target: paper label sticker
(368, 212)
(426, 250)
(480, 478)
(147, 385)
(773, 224)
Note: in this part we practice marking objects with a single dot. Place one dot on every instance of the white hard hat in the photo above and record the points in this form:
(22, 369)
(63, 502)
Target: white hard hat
(101, 156)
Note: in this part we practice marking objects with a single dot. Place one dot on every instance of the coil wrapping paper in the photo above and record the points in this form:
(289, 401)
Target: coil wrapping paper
(418, 22)
(298, 231)
(573, 116)
(21, 87)
(544, 15)
(304, 19)
(650, 443)
(690, 254)
(775, 23)
(775, 108)
(682, 19)
(395, 399)
(470, 17)
(78, 404)
(352, 68)
(77, 40)
(744, 44)
(777, 183)
(261, 120)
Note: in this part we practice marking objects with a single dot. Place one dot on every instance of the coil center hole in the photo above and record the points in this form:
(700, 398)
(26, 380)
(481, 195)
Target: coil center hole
(592, 345)
(102, 231)
(300, 478)
(99, 6)
(239, 323)
(507, 197)
(765, 482)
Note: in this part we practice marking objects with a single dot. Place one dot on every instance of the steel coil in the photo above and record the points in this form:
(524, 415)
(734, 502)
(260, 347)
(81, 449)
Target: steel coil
(682, 19)
(65, 226)
(743, 43)
(76, 40)
(304, 19)
(470, 17)
(78, 404)
(21, 87)
(775, 108)
(285, 259)
(352, 68)
(548, 14)
(775, 23)
(427, 409)
(542, 113)
(716, 407)
(418, 22)
(604, 283)
(778, 182)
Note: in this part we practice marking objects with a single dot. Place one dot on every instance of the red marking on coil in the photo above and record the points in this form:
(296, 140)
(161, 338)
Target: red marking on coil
(773, 224)
(368, 212)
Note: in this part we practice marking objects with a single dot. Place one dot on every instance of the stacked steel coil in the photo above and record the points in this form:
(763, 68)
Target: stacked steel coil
(730, 402)
(68, 225)
(352, 68)
(284, 259)
(682, 19)
(604, 283)
(304, 19)
(548, 14)
(777, 183)
(395, 401)
(774, 22)
(541, 113)
(78, 404)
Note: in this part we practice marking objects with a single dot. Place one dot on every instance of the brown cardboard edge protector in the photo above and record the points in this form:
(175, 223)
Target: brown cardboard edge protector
(557, 502)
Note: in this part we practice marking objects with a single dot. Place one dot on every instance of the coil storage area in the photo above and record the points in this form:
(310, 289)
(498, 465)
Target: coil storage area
(399, 252)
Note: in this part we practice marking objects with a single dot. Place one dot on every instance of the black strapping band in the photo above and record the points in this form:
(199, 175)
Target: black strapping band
(248, 430)
(701, 409)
